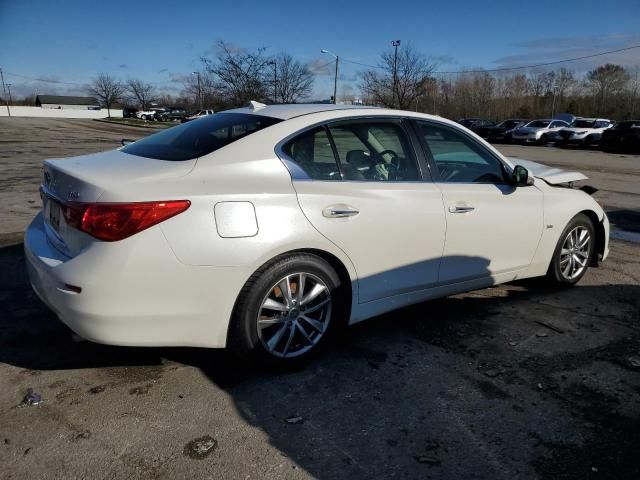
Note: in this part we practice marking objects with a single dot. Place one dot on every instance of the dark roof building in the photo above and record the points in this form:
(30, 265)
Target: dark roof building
(63, 101)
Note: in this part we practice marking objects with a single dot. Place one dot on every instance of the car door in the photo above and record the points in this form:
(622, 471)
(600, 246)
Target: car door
(492, 227)
(360, 184)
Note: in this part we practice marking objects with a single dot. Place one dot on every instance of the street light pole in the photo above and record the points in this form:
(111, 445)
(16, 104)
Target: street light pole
(395, 44)
(335, 78)
(9, 88)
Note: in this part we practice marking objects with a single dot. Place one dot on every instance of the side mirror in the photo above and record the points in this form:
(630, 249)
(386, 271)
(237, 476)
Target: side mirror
(126, 141)
(520, 177)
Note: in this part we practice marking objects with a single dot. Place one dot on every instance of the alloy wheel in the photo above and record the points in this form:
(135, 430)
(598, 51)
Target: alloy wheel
(294, 315)
(574, 254)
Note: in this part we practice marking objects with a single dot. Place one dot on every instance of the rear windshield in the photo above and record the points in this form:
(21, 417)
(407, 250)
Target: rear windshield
(199, 137)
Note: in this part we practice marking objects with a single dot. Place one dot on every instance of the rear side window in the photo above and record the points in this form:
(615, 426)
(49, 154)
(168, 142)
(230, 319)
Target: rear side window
(376, 151)
(199, 137)
(312, 152)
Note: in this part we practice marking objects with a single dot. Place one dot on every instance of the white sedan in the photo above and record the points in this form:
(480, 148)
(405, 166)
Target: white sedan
(264, 228)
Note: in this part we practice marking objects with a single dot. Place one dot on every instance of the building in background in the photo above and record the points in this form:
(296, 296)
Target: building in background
(67, 102)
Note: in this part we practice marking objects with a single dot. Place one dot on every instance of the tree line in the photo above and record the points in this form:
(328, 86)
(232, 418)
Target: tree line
(609, 90)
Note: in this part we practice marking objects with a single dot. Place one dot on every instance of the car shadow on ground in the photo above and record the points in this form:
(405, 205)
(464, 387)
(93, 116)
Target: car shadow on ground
(495, 383)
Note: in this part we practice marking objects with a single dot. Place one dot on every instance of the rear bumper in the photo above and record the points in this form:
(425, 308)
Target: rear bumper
(134, 292)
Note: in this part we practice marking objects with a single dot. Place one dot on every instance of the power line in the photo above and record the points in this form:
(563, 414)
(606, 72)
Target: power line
(511, 68)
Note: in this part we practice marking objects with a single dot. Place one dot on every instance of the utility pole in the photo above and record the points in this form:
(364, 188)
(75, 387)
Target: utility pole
(199, 89)
(395, 44)
(4, 93)
(335, 83)
(553, 105)
(275, 80)
(9, 89)
(335, 79)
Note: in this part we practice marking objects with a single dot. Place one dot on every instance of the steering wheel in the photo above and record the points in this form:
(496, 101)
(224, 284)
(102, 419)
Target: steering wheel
(388, 150)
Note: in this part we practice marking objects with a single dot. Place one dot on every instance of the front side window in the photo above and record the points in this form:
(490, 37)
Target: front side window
(374, 151)
(459, 158)
(200, 137)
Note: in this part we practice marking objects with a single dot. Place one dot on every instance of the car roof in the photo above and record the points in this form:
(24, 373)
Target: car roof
(287, 111)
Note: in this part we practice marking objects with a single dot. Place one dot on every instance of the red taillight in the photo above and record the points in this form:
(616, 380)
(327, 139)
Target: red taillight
(116, 221)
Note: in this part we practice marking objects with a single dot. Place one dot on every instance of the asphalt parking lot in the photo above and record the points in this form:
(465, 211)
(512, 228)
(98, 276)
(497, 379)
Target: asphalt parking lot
(509, 382)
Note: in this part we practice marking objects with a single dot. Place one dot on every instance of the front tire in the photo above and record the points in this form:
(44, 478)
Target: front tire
(287, 310)
(573, 252)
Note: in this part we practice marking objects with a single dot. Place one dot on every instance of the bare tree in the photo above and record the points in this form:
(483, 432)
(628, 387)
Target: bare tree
(240, 74)
(412, 68)
(107, 89)
(294, 80)
(605, 81)
(203, 94)
(140, 91)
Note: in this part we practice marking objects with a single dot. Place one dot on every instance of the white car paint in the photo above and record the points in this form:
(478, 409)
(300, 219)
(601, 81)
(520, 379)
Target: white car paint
(554, 176)
(578, 133)
(176, 283)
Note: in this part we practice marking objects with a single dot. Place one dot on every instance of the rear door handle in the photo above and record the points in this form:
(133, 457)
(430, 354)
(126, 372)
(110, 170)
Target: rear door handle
(340, 211)
(460, 209)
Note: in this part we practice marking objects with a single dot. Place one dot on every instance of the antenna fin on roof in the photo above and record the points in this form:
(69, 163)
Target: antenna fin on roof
(253, 105)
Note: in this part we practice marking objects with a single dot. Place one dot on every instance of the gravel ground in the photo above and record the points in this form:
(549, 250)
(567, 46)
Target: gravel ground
(508, 382)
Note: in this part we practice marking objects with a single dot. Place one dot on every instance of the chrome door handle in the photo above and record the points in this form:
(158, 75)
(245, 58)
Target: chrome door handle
(340, 211)
(458, 209)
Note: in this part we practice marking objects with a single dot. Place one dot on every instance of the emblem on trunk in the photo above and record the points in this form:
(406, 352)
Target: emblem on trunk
(73, 195)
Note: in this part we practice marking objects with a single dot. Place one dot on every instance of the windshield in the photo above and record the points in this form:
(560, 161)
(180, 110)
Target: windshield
(199, 137)
(583, 123)
(539, 123)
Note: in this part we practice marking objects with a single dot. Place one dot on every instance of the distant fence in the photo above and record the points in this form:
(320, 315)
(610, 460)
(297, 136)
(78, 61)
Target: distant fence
(57, 113)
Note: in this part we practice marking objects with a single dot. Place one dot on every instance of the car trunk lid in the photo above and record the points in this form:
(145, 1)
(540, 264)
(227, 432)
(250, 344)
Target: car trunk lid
(84, 179)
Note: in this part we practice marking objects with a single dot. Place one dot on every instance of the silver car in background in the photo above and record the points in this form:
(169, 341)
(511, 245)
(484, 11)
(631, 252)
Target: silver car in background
(539, 131)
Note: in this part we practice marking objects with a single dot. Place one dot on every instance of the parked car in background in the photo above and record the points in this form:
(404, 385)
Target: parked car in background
(129, 112)
(622, 137)
(498, 133)
(198, 114)
(583, 131)
(474, 123)
(175, 114)
(149, 114)
(538, 131)
(269, 227)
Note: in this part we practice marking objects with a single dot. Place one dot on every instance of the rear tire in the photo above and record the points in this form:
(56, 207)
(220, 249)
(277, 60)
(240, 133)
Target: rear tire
(573, 253)
(275, 321)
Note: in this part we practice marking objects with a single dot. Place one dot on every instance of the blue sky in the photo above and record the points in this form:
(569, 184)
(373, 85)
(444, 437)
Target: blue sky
(160, 41)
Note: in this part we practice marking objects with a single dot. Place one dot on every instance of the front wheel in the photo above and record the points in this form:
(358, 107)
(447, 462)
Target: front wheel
(287, 310)
(573, 252)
